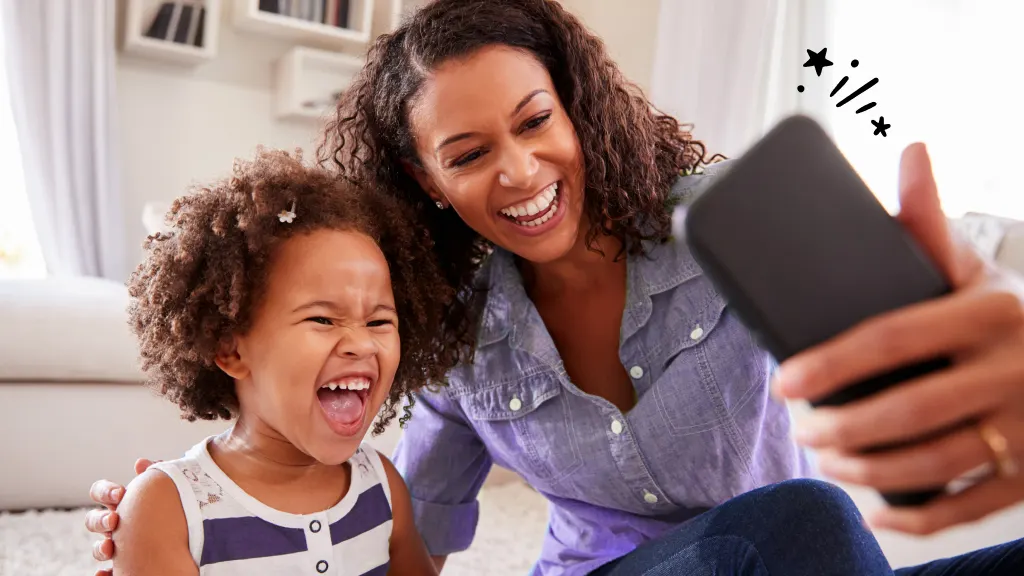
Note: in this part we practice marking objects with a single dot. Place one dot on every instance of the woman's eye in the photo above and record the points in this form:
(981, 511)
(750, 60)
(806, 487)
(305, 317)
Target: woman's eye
(534, 123)
(320, 320)
(463, 160)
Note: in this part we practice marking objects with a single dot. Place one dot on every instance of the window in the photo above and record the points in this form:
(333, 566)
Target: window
(20, 253)
(946, 78)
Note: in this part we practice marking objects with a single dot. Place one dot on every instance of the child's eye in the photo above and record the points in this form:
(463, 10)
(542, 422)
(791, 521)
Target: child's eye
(320, 320)
(376, 323)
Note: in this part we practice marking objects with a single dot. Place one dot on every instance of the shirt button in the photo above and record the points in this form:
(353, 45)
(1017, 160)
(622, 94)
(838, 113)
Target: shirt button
(616, 427)
(515, 404)
(314, 526)
(636, 372)
(650, 498)
(697, 333)
(321, 566)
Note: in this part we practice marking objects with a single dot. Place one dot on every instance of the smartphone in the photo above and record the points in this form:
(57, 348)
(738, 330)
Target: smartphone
(802, 250)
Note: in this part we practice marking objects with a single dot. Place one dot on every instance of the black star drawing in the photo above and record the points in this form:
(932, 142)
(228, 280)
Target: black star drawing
(881, 126)
(817, 60)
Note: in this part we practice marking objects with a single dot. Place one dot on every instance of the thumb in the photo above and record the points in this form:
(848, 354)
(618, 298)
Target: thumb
(921, 212)
(142, 464)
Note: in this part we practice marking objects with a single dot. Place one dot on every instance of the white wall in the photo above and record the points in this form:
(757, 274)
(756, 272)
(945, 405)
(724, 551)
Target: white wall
(629, 29)
(179, 125)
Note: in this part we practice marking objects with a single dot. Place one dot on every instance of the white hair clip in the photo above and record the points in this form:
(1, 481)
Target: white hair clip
(287, 215)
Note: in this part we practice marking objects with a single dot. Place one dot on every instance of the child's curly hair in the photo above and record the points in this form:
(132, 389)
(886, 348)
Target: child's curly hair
(200, 282)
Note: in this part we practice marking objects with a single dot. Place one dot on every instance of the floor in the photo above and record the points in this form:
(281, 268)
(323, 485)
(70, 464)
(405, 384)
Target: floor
(513, 520)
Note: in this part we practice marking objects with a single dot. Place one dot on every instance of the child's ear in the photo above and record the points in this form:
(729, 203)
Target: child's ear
(230, 361)
(424, 180)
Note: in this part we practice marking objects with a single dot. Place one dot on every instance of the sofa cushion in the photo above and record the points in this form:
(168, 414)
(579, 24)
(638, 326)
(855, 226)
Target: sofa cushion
(66, 329)
(998, 238)
(1011, 250)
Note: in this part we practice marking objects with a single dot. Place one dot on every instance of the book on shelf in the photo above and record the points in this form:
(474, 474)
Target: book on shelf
(179, 22)
(329, 12)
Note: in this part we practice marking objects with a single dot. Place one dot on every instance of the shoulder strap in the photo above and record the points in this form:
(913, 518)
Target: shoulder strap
(193, 515)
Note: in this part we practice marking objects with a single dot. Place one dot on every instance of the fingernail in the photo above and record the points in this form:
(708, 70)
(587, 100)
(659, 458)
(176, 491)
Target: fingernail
(116, 493)
(788, 380)
(808, 431)
(775, 390)
(106, 521)
(831, 465)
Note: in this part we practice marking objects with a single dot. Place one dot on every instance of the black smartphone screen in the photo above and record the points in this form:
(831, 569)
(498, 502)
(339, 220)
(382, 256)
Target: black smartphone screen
(802, 250)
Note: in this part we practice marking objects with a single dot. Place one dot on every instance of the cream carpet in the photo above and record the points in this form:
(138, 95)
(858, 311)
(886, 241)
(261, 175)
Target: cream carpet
(513, 522)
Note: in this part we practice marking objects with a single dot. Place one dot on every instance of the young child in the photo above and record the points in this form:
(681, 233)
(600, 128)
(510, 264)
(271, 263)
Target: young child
(271, 300)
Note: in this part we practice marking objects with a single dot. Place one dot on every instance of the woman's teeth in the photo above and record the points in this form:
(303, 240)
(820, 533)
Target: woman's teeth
(534, 206)
(542, 219)
(348, 384)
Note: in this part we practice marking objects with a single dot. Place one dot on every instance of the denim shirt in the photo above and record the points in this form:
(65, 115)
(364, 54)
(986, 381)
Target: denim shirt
(704, 428)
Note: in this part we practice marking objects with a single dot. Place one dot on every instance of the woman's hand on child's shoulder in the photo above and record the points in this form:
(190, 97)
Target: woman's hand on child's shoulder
(105, 520)
(152, 533)
(408, 553)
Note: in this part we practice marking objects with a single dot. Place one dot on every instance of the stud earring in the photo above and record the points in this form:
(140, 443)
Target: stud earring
(440, 206)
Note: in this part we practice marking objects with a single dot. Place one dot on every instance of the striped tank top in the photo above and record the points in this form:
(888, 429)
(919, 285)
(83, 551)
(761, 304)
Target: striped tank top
(230, 533)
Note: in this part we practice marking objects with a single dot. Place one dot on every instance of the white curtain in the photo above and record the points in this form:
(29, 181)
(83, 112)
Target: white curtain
(732, 67)
(60, 68)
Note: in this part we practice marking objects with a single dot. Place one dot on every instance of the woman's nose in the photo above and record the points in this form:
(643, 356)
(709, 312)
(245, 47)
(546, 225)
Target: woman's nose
(518, 167)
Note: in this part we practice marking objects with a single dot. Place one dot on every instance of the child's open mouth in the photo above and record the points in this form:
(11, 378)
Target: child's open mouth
(343, 402)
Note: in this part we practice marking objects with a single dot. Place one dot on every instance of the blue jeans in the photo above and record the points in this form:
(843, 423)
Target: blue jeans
(797, 527)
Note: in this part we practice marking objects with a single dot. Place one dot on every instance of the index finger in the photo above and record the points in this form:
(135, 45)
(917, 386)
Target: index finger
(107, 493)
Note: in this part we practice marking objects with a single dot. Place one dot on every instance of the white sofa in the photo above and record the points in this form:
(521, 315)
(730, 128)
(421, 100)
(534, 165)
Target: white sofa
(72, 408)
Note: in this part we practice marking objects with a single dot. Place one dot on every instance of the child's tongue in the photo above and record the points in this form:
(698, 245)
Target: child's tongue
(341, 406)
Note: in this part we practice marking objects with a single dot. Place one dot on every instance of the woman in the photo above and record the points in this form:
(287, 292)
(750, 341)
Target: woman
(606, 369)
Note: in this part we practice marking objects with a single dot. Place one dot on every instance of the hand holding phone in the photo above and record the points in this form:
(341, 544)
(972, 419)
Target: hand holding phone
(802, 251)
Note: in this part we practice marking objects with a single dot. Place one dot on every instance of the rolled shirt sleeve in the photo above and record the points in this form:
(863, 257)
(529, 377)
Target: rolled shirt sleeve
(444, 463)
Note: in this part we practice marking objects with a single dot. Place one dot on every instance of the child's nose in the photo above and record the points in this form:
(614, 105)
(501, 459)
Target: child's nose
(356, 343)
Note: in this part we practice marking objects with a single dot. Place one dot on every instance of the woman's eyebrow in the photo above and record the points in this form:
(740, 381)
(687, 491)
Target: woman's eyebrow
(526, 100)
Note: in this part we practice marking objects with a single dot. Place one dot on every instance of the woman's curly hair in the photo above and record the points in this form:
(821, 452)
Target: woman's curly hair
(632, 153)
(201, 280)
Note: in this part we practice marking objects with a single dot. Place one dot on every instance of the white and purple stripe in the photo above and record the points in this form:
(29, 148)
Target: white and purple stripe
(231, 533)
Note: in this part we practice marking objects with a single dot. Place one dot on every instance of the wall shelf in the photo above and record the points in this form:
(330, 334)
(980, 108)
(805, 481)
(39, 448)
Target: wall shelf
(306, 80)
(195, 24)
(247, 16)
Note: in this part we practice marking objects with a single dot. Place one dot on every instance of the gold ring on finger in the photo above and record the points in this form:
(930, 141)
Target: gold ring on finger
(1006, 466)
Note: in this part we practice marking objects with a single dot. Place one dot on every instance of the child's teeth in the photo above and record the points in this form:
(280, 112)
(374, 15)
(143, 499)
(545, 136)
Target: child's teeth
(353, 385)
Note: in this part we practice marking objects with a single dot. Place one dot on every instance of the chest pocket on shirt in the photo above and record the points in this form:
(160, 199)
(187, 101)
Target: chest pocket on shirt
(527, 425)
(710, 367)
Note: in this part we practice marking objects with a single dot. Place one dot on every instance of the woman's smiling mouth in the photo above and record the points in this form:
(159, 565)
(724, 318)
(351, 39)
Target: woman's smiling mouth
(536, 211)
